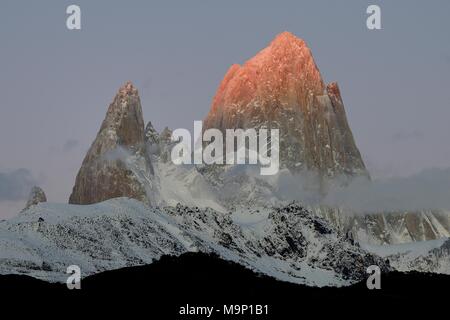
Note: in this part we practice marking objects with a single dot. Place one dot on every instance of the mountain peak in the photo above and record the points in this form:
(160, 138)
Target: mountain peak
(285, 50)
(281, 87)
(104, 174)
(287, 37)
(128, 89)
(284, 72)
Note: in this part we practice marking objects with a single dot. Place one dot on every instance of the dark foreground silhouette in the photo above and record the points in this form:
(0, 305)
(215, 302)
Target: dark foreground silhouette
(161, 289)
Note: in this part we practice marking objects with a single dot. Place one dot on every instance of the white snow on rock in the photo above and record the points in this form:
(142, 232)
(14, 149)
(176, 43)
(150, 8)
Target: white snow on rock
(424, 256)
(288, 243)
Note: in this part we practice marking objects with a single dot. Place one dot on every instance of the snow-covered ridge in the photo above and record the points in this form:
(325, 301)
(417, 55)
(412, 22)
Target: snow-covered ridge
(389, 227)
(232, 187)
(424, 256)
(288, 243)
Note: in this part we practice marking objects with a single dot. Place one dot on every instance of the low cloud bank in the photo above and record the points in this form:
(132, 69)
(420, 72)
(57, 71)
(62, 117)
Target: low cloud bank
(16, 185)
(429, 189)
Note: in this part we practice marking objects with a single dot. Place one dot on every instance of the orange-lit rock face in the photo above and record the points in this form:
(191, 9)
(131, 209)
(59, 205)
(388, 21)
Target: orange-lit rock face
(284, 73)
(281, 87)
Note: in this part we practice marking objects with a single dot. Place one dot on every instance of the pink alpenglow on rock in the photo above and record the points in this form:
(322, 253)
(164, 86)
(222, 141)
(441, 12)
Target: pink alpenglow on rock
(282, 88)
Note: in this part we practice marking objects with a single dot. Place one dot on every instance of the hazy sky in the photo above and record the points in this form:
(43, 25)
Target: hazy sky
(56, 84)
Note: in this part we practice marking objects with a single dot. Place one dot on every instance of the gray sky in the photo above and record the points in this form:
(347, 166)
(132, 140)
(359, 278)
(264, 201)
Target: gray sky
(56, 84)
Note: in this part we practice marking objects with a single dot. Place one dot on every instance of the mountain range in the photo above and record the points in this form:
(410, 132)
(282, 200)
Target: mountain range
(131, 205)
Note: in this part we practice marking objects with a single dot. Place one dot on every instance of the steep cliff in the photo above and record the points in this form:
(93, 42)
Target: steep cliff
(104, 173)
(282, 88)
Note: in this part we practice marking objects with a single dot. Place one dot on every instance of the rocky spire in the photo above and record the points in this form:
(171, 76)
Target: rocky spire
(151, 135)
(37, 195)
(281, 87)
(166, 135)
(105, 173)
(159, 144)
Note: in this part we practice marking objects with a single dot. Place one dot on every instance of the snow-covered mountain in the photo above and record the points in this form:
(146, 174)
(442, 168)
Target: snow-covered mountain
(152, 207)
(390, 227)
(288, 243)
(232, 187)
(424, 256)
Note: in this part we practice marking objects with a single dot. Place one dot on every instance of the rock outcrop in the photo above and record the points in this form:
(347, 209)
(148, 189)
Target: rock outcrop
(37, 195)
(390, 227)
(281, 88)
(105, 173)
(159, 144)
(151, 135)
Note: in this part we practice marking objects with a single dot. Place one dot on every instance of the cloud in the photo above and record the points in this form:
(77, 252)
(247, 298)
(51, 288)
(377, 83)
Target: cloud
(9, 209)
(411, 135)
(67, 147)
(16, 185)
(70, 145)
(429, 189)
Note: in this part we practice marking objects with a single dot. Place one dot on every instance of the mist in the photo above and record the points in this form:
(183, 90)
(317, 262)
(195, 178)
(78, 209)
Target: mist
(16, 185)
(429, 189)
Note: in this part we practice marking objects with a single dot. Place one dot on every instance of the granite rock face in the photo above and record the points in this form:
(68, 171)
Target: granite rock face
(104, 173)
(282, 88)
(159, 144)
(37, 195)
(151, 135)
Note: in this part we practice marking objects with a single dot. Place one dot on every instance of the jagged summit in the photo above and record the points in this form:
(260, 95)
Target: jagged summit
(284, 46)
(151, 135)
(104, 173)
(285, 49)
(285, 71)
(128, 89)
(124, 119)
(281, 87)
(287, 36)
